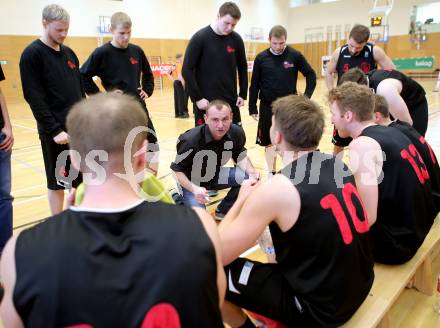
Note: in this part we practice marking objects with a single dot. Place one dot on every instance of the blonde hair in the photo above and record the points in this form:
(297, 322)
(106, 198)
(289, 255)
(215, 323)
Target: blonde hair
(53, 12)
(103, 122)
(120, 18)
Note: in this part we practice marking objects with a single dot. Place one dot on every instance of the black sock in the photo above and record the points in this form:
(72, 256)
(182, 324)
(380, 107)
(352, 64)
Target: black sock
(248, 323)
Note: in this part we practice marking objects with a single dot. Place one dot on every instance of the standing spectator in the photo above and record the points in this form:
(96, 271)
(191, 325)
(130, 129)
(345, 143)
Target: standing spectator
(214, 56)
(275, 75)
(180, 94)
(51, 84)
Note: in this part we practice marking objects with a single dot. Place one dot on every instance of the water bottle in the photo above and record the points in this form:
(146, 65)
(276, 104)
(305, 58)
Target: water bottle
(437, 297)
(266, 244)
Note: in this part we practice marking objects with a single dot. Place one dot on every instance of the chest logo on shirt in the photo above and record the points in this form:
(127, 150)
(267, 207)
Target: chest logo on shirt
(133, 61)
(230, 50)
(346, 67)
(365, 67)
(287, 65)
(71, 64)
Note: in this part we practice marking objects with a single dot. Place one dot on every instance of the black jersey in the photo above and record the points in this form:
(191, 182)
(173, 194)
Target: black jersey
(427, 154)
(325, 256)
(118, 269)
(51, 84)
(364, 60)
(412, 92)
(406, 208)
(126, 69)
(275, 76)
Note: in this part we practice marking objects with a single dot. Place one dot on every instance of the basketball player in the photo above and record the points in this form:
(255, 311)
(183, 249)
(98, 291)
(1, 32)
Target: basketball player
(390, 175)
(51, 84)
(116, 260)
(325, 268)
(275, 75)
(358, 52)
(214, 56)
(121, 66)
(382, 117)
(405, 97)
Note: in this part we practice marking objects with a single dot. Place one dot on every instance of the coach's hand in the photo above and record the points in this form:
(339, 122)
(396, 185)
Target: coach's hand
(255, 117)
(61, 138)
(142, 94)
(201, 194)
(240, 102)
(7, 144)
(202, 104)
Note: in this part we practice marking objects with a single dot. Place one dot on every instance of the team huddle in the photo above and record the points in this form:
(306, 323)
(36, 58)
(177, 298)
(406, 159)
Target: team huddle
(116, 258)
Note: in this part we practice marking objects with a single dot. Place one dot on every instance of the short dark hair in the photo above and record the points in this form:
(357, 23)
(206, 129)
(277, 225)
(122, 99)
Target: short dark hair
(230, 8)
(300, 120)
(218, 104)
(353, 97)
(354, 75)
(360, 33)
(381, 106)
(277, 31)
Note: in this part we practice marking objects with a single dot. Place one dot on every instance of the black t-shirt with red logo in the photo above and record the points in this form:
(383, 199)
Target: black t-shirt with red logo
(275, 76)
(406, 209)
(2, 78)
(364, 60)
(51, 84)
(118, 68)
(211, 65)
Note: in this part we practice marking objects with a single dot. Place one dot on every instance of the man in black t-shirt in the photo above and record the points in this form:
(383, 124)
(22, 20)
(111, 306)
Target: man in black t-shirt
(201, 153)
(318, 225)
(116, 260)
(358, 52)
(274, 75)
(214, 56)
(391, 177)
(123, 67)
(51, 84)
(6, 143)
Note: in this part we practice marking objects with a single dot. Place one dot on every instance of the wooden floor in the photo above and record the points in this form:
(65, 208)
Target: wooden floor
(29, 184)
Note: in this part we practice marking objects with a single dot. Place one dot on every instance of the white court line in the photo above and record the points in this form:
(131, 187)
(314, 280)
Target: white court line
(24, 127)
(28, 188)
(30, 166)
(250, 251)
(25, 201)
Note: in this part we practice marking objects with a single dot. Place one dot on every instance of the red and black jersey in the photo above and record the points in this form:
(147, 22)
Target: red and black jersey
(325, 256)
(151, 265)
(427, 154)
(406, 208)
(364, 60)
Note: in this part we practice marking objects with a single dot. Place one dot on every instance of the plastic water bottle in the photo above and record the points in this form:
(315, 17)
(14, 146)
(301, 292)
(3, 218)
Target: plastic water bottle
(266, 244)
(437, 297)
